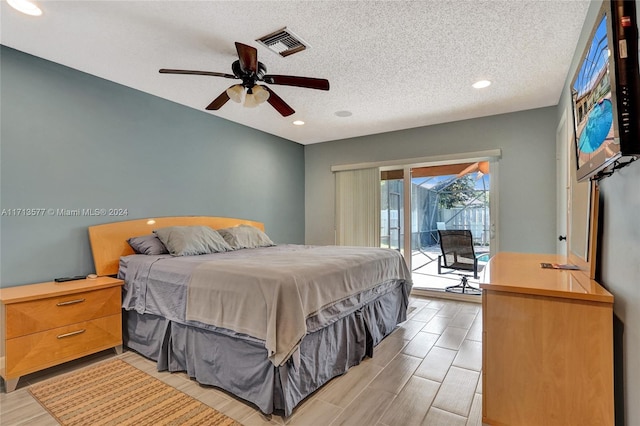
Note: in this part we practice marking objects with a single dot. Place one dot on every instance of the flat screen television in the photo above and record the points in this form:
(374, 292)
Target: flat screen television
(606, 91)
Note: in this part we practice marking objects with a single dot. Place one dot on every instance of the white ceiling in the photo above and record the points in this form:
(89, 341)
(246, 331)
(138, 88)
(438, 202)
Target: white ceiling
(393, 64)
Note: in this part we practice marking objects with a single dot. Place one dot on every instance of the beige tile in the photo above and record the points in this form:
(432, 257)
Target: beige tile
(436, 417)
(436, 364)
(343, 389)
(316, 412)
(425, 314)
(472, 308)
(475, 414)
(24, 410)
(452, 338)
(420, 345)
(437, 325)
(408, 329)
(387, 350)
(469, 355)
(412, 403)
(415, 304)
(475, 332)
(438, 303)
(450, 310)
(15, 400)
(140, 362)
(479, 387)
(236, 409)
(366, 409)
(457, 391)
(44, 419)
(209, 395)
(259, 419)
(178, 380)
(463, 319)
(396, 374)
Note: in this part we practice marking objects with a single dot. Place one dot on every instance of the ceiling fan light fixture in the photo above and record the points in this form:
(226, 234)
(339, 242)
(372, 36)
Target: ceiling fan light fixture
(235, 93)
(260, 93)
(250, 100)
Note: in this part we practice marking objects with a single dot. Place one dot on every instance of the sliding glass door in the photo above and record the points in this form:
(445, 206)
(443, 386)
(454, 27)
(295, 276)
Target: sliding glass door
(417, 201)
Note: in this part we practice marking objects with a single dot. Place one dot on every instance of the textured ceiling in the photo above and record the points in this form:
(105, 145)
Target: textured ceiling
(393, 64)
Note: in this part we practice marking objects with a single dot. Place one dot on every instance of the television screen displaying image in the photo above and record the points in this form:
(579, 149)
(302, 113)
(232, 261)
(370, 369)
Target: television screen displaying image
(593, 107)
(605, 91)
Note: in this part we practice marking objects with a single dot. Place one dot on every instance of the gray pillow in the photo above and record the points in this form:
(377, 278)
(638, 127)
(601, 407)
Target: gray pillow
(245, 236)
(147, 244)
(191, 240)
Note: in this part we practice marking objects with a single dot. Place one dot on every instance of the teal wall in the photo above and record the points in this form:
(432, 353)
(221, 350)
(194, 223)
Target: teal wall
(71, 141)
(618, 266)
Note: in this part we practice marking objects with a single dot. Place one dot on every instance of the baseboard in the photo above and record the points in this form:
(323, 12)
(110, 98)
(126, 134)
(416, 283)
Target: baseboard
(441, 294)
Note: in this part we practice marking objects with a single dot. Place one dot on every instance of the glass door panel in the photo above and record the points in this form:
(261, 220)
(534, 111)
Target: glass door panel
(392, 209)
(444, 197)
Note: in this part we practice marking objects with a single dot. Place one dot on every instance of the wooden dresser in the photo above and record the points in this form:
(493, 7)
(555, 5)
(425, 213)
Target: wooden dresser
(547, 344)
(50, 323)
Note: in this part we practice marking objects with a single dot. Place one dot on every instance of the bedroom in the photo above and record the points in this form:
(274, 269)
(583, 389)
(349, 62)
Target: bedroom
(286, 185)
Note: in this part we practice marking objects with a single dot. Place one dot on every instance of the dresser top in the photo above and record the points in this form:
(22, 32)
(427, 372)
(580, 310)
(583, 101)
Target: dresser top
(522, 273)
(25, 293)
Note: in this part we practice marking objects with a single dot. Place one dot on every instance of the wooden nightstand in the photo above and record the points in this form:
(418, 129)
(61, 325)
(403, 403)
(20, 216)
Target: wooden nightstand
(50, 323)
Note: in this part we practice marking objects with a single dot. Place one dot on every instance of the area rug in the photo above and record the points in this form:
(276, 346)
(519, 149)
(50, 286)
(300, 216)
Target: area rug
(116, 393)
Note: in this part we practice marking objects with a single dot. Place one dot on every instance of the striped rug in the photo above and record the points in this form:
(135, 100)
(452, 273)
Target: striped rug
(116, 393)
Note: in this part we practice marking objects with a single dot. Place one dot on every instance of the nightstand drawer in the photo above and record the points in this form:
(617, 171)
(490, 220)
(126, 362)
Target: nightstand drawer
(41, 350)
(45, 314)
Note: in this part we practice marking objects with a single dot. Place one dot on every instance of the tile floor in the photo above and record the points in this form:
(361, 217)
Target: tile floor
(427, 372)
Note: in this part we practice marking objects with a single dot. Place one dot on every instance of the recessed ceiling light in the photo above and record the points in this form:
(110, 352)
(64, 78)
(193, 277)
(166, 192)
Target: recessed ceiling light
(481, 84)
(298, 123)
(343, 113)
(26, 7)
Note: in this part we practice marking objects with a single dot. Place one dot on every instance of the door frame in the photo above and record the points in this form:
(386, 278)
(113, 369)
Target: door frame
(562, 184)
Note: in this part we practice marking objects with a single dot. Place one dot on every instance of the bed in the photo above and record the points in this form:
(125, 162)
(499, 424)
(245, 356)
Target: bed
(268, 323)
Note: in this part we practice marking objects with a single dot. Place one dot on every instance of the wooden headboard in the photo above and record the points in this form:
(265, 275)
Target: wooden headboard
(109, 241)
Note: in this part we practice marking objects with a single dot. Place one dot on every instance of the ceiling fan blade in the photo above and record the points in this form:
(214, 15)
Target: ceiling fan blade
(248, 57)
(211, 73)
(277, 102)
(290, 80)
(218, 102)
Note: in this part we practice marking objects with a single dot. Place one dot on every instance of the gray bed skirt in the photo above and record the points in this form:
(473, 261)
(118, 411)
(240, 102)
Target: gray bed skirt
(239, 364)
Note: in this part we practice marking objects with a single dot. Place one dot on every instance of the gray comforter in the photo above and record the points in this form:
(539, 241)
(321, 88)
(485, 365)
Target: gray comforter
(264, 294)
(268, 294)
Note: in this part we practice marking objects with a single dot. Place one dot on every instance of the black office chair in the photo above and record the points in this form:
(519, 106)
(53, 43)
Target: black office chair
(458, 255)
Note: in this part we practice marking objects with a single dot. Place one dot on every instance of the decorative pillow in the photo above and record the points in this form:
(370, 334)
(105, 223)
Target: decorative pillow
(245, 236)
(147, 244)
(191, 240)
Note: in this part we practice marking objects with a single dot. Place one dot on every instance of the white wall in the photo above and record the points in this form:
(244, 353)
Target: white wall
(527, 171)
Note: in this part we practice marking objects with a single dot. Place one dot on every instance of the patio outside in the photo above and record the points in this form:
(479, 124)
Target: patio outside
(453, 202)
(424, 263)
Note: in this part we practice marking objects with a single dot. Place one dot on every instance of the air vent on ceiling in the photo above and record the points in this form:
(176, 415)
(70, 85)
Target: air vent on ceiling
(284, 42)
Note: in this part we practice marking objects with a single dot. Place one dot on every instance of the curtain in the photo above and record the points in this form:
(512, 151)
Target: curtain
(358, 207)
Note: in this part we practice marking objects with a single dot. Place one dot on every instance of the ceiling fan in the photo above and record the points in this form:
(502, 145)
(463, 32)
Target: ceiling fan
(250, 71)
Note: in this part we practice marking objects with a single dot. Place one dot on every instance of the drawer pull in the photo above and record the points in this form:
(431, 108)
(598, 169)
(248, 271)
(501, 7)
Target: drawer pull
(73, 333)
(70, 302)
